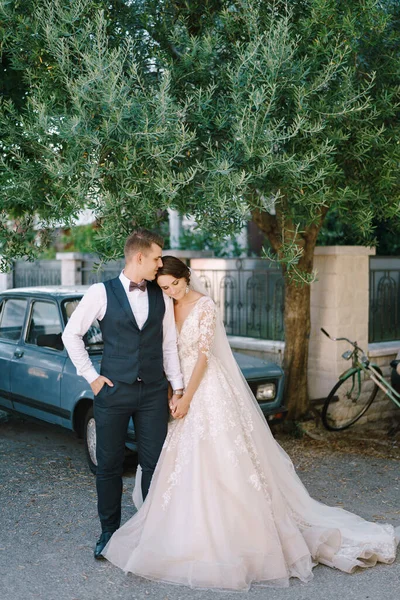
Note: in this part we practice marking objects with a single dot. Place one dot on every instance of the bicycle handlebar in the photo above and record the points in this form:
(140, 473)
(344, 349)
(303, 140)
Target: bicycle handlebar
(340, 339)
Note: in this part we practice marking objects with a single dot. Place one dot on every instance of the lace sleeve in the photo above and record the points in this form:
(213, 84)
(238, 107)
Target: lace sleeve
(207, 327)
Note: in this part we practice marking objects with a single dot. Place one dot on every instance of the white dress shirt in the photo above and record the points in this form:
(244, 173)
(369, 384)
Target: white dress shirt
(94, 305)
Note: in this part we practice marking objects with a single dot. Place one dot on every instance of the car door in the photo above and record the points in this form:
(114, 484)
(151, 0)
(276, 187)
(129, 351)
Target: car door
(12, 318)
(37, 368)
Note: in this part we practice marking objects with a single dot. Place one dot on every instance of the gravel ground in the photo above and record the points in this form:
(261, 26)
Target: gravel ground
(48, 520)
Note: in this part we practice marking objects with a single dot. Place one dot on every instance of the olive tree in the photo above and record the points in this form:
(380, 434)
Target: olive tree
(224, 110)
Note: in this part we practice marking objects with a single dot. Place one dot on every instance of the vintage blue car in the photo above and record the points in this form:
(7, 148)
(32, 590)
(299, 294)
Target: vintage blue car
(38, 379)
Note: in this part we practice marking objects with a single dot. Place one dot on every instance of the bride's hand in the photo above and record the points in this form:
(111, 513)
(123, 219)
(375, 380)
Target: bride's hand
(181, 407)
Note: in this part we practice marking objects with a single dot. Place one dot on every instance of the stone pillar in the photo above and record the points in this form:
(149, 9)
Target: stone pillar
(6, 281)
(71, 267)
(175, 228)
(339, 304)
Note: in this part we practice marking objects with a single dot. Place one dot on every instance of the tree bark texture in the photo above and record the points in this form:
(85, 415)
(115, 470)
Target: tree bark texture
(295, 359)
(297, 309)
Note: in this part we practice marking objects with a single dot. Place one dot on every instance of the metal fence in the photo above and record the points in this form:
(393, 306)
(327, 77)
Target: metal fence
(40, 272)
(384, 305)
(92, 274)
(250, 295)
(249, 292)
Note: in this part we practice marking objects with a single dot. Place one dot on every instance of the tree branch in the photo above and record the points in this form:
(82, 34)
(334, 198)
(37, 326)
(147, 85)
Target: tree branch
(268, 225)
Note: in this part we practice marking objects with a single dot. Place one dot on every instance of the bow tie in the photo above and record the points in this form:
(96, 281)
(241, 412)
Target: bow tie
(138, 286)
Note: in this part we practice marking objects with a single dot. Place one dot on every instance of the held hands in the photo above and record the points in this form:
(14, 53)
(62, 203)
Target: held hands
(97, 384)
(179, 405)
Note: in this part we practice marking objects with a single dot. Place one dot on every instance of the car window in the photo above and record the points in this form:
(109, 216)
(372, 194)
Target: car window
(93, 338)
(12, 319)
(44, 328)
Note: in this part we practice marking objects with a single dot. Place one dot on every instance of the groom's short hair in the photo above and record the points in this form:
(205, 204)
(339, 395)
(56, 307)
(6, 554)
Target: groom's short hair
(141, 240)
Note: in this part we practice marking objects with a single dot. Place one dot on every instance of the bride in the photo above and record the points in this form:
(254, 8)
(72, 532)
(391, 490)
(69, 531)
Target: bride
(225, 507)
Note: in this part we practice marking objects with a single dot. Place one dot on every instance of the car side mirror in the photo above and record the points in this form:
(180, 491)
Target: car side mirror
(50, 340)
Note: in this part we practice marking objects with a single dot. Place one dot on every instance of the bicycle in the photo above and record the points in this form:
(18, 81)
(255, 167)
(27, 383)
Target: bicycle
(354, 402)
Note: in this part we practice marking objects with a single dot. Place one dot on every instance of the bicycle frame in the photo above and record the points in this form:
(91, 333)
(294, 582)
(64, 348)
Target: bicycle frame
(369, 368)
(381, 382)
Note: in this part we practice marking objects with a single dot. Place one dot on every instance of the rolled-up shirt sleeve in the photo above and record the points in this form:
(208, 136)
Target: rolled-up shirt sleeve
(92, 306)
(172, 366)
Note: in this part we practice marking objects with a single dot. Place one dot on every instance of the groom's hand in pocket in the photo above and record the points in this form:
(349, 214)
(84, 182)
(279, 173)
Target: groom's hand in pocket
(97, 384)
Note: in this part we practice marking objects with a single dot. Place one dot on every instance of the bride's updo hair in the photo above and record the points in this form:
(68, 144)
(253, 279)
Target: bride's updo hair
(174, 267)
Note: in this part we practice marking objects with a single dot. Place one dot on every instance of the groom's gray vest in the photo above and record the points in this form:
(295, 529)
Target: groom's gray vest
(129, 352)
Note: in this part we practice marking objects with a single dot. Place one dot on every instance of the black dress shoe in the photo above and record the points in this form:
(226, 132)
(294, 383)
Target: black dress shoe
(101, 544)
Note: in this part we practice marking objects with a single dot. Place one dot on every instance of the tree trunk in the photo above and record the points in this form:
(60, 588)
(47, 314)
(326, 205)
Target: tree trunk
(297, 309)
(297, 334)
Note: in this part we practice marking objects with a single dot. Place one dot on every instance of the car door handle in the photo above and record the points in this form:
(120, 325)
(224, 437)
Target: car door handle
(18, 353)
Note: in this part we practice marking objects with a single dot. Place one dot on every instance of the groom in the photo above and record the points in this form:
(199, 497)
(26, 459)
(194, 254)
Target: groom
(140, 355)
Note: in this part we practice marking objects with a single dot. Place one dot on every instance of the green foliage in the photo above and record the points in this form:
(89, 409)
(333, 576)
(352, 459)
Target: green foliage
(290, 256)
(94, 132)
(194, 238)
(198, 239)
(295, 112)
(81, 238)
(222, 110)
(386, 239)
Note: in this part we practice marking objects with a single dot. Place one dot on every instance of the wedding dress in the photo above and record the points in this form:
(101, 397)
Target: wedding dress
(225, 507)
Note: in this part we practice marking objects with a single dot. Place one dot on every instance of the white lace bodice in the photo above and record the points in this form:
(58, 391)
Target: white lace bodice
(196, 335)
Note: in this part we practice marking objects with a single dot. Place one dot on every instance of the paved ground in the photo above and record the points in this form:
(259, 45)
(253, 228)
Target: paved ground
(48, 521)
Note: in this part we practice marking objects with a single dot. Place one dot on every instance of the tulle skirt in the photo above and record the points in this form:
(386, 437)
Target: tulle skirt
(226, 509)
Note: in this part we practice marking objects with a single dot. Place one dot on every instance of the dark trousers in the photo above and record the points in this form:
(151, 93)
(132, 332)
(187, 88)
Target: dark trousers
(147, 404)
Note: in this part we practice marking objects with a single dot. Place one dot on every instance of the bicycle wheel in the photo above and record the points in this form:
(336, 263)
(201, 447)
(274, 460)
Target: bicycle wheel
(347, 402)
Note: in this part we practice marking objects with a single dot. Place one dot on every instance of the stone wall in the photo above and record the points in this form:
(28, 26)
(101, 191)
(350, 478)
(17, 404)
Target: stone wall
(339, 304)
(6, 281)
(382, 409)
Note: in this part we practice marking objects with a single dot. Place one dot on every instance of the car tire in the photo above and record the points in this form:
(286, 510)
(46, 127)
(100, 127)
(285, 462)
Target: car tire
(89, 439)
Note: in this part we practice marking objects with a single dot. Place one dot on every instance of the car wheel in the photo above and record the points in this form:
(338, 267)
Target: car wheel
(89, 438)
